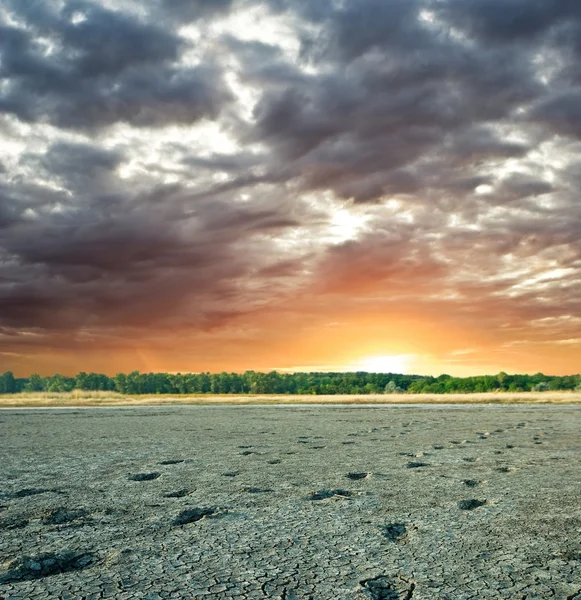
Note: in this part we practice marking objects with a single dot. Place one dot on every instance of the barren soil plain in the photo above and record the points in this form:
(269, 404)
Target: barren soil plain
(291, 502)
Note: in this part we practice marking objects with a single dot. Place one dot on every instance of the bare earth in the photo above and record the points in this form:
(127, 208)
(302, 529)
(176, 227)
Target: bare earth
(291, 502)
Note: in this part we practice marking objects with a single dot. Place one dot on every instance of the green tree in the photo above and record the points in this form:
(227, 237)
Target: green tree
(59, 383)
(35, 383)
(120, 381)
(7, 383)
(502, 379)
(392, 388)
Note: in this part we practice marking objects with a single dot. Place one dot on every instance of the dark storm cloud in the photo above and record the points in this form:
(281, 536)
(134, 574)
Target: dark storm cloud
(108, 42)
(9, 213)
(127, 260)
(359, 27)
(295, 121)
(519, 186)
(561, 113)
(105, 67)
(188, 10)
(507, 20)
(480, 143)
(393, 91)
(92, 40)
(78, 165)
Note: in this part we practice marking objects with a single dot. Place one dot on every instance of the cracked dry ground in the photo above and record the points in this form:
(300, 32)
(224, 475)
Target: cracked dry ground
(335, 502)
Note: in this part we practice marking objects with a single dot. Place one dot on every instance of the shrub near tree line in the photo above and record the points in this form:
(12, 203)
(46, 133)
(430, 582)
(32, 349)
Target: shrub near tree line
(252, 382)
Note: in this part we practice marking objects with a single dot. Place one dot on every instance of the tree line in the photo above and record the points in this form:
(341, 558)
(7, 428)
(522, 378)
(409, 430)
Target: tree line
(252, 382)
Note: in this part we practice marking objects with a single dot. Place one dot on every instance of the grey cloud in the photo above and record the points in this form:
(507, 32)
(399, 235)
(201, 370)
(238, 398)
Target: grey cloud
(507, 20)
(135, 259)
(294, 121)
(193, 10)
(108, 42)
(384, 102)
(366, 170)
(79, 163)
(520, 185)
(9, 213)
(566, 37)
(105, 69)
(463, 183)
(149, 97)
(561, 112)
(482, 142)
(572, 174)
(28, 303)
(102, 43)
(365, 25)
(531, 234)
(20, 54)
(348, 30)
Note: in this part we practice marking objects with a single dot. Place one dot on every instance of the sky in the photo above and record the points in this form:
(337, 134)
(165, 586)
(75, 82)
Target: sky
(384, 185)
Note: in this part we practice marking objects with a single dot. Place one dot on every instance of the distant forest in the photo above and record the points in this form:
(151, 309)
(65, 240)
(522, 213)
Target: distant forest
(252, 382)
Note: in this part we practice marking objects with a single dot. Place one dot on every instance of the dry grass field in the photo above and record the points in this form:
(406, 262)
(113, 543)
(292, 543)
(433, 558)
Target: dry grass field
(86, 398)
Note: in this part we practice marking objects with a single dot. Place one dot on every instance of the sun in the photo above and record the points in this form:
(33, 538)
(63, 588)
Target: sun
(394, 363)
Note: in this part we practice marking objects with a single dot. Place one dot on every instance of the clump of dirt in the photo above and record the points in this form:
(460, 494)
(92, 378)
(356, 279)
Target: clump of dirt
(326, 494)
(44, 565)
(61, 516)
(24, 493)
(394, 532)
(383, 587)
(416, 464)
(144, 476)
(506, 469)
(13, 523)
(357, 476)
(191, 515)
(471, 504)
(471, 482)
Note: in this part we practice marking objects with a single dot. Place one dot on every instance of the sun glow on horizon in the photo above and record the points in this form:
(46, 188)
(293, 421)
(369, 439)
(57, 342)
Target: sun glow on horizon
(394, 363)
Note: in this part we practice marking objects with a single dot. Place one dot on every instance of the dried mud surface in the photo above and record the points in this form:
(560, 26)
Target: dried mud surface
(293, 502)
